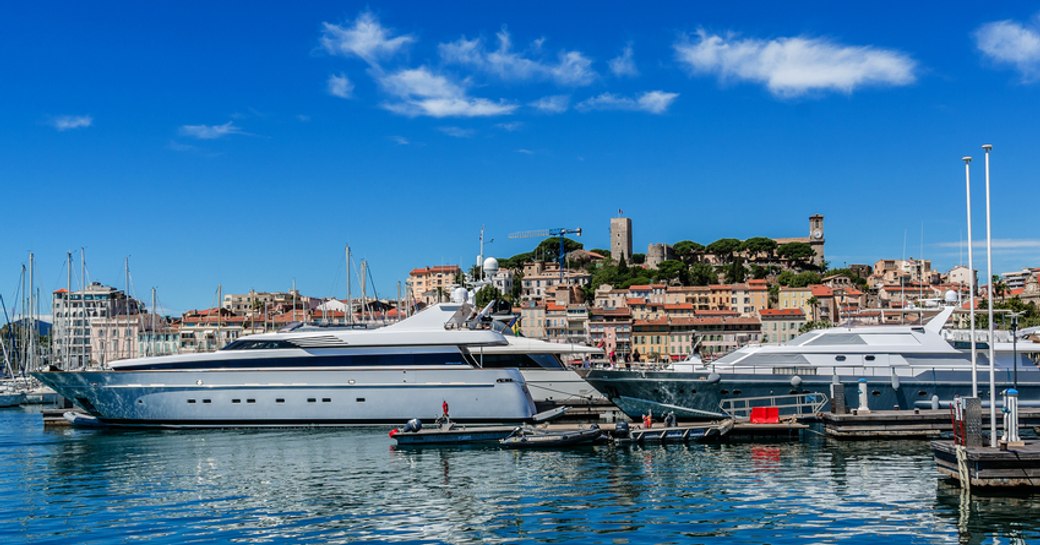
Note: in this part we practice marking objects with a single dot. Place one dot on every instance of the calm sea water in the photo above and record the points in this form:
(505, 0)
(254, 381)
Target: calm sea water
(348, 485)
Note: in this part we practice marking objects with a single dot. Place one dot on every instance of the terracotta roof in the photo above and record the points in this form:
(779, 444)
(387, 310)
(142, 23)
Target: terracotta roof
(554, 307)
(679, 306)
(716, 313)
(781, 313)
(819, 290)
(61, 290)
(639, 287)
(635, 301)
(715, 321)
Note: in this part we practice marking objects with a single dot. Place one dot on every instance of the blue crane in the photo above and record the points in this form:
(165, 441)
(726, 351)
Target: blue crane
(558, 232)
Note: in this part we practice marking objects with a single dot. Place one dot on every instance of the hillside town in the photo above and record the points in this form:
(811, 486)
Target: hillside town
(675, 300)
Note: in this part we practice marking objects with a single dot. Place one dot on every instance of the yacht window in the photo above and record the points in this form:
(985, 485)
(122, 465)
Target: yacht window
(839, 358)
(360, 400)
(279, 400)
(521, 361)
(236, 401)
(247, 344)
(191, 401)
(250, 401)
(326, 400)
(206, 401)
(869, 358)
(311, 400)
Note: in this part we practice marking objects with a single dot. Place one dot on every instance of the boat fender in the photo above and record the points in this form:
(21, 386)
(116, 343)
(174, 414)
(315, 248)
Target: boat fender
(714, 377)
(394, 432)
(796, 381)
(895, 382)
(935, 402)
(413, 425)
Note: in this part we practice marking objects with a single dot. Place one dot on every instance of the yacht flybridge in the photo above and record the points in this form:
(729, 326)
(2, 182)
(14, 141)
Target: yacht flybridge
(312, 377)
(904, 366)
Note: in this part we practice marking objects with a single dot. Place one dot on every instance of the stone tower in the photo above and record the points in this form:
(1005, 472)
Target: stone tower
(816, 238)
(621, 239)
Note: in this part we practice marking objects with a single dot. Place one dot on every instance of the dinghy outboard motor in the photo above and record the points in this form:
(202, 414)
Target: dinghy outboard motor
(621, 429)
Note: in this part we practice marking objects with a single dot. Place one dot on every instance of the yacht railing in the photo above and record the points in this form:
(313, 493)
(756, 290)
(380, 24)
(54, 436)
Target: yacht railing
(806, 404)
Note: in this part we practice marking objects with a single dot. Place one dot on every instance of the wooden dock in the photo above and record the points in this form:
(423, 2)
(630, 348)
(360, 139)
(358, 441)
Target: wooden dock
(899, 424)
(986, 467)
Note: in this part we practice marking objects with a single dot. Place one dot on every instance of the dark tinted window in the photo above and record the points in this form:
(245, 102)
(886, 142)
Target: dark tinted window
(246, 344)
(520, 361)
(339, 360)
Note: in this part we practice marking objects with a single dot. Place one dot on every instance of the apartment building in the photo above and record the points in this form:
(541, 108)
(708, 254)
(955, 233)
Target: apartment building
(73, 313)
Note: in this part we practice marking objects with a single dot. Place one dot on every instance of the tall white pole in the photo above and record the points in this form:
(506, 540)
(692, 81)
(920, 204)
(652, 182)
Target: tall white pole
(66, 341)
(989, 301)
(349, 316)
(971, 286)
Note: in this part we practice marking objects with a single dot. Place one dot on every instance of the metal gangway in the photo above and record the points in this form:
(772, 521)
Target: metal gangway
(805, 405)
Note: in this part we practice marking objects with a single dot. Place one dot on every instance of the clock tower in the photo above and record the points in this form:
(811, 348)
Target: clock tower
(816, 238)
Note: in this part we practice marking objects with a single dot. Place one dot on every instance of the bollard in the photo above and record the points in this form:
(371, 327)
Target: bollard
(1011, 437)
(935, 402)
(972, 414)
(863, 398)
(838, 398)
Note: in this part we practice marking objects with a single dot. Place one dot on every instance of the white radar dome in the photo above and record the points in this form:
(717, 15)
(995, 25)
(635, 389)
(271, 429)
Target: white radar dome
(459, 295)
(490, 266)
(951, 296)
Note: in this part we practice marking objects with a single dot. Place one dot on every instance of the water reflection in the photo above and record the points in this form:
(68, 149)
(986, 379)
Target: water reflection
(336, 486)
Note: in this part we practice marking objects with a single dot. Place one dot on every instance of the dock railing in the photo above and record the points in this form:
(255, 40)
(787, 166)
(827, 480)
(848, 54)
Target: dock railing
(797, 405)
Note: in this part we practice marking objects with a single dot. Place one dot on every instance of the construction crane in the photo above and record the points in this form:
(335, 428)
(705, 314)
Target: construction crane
(543, 233)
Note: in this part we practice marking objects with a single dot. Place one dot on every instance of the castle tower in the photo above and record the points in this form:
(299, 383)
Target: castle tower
(816, 238)
(621, 239)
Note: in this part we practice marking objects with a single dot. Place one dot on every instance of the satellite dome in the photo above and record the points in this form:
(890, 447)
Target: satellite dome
(459, 295)
(951, 296)
(490, 266)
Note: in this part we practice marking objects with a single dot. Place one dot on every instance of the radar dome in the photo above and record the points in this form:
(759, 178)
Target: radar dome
(459, 295)
(951, 296)
(490, 266)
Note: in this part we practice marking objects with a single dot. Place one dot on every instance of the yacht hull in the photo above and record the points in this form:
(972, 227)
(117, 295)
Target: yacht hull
(560, 387)
(293, 397)
(693, 396)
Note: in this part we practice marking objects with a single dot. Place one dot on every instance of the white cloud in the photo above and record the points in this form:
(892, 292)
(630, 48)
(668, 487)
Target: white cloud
(1008, 42)
(555, 104)
(655, 102)
(210, 132)
(68, 122)
(399, 140)
(366, 39)
(794, 66)
(524, 151)
(340, 86)
(457, 132)
(421, 92)
(571, 68)
(511, 126)
(624, 65)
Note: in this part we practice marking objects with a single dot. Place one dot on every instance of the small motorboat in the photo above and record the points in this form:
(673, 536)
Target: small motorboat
(11, 399)
(528, 437)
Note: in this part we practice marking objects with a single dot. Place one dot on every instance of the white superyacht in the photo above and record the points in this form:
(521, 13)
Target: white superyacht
(312, 377)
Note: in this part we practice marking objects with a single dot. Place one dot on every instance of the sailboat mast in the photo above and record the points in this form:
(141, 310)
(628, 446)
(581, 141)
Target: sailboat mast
(32, 314)
(364, 289)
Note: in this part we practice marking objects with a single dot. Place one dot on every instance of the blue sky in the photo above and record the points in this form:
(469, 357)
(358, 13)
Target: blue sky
(245, 143)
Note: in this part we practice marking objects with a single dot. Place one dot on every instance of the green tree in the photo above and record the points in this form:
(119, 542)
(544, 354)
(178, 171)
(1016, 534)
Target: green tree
(759, 247)
(858, 280)
(798, 280)
(724, 248)
(813, 324)
(812, 302)
(486, 295)
(601, 251)
(622, 268)
(702, 274)
(518, 286)
(687, 250)
(549, 249)
(638, 259)
(797, 252)
(735, 272)
(673, 270)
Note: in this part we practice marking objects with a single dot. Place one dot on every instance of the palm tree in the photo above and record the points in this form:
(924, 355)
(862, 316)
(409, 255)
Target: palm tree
(813, 302)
